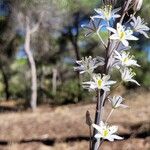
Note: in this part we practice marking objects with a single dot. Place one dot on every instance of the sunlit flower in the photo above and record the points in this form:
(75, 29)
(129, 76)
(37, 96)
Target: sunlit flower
(107, 13)
(92, 27)
(122, 34)
(99, 82)
(127, 75)
(125, 59)
(116, 102)
(139, 25)
(106, 132)
(88, 64)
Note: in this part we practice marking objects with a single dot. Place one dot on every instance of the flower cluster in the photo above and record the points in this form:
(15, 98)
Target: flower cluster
(117, 57)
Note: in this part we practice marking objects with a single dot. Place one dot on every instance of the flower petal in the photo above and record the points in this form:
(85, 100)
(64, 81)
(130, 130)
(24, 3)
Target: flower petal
(117, 137)
(98, 128)
(113, 129)
(98, 136)
(111, 29)
(125, 43)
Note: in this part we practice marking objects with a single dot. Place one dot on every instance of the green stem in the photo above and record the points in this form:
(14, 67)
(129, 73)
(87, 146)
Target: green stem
(101, 40)
(109, 115)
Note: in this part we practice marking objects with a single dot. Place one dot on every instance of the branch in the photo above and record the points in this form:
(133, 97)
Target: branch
(36, 26)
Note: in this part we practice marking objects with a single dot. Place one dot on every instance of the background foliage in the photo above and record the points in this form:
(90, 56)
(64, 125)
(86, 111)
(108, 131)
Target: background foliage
(54, 48)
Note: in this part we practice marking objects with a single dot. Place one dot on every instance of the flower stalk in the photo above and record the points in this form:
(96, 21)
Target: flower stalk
(98, 113)
(116, 58)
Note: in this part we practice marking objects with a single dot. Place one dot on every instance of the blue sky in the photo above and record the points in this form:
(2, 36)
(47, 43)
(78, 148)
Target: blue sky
(4, 8)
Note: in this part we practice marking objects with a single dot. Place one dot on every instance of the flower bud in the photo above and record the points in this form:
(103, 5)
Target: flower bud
(137, 4)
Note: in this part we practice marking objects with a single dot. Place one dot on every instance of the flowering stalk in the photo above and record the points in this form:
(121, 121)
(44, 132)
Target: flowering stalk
(117, 57)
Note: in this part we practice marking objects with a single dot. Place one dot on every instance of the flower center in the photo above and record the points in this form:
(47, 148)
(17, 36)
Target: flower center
(107, 15)
(105, 132)
(122, 35)
(107, 12)
(99, 82)
(125, 60)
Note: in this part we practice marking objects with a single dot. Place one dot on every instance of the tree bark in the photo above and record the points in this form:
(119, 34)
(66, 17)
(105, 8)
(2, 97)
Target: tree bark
(33, 100)
(6, 83)
(54, 81)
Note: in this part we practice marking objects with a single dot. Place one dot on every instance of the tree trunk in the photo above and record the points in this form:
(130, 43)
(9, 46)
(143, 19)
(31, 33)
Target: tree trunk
(54, 81)
(77, 53)
(33, 100)
(6, 83)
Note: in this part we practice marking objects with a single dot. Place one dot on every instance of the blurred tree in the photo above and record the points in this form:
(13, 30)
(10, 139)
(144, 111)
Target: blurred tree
(54, 46)
(29, 20)
(6, 54)
(8, 44)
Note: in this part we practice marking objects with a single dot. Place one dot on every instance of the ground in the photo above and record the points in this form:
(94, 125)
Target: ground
(64, 127)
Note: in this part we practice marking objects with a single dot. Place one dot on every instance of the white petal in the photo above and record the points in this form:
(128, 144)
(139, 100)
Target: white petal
(110, 138)
(114, 37)
(132, 80)
(98, 128)
(117, 137)
(98, 136)
(97, 16)
(125, 43)
(81, 72)
(88, 83)
(113, 129)
(112, 29)
(131, 37)
(144, 33)
(116, 10)
(123, 106)
(120, 27)
(110, 82)
(99, 11)
(102, 124)
(93, 86)
(105, 78)
(105, 88)
(116, 16)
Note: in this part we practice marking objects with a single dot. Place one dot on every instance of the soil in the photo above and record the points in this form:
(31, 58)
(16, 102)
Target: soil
(64, 127)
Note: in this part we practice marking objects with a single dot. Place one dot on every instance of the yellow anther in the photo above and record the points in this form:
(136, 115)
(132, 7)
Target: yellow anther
(99, 83)
(105, 133)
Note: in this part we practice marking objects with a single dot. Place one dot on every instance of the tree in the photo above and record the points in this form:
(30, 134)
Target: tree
(29, 32)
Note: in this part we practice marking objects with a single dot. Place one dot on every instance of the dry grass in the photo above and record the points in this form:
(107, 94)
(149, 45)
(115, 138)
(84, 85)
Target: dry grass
(69, 121)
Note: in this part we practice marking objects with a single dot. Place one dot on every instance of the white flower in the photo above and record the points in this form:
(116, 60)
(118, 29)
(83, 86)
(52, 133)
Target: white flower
(107, 13)
(106, 132)
(99, 82)
(88, 64)
(127, 75)
(139, 25)
(92, 27)
(116, 102)
(125, 59)
(122, 35)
